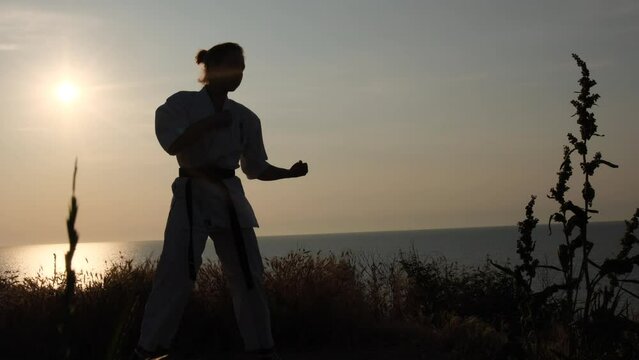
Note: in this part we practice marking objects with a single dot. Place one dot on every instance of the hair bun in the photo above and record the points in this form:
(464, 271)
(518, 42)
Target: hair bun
(200, 58)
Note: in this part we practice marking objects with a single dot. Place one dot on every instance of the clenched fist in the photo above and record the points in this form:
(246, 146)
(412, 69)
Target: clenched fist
(298, 169)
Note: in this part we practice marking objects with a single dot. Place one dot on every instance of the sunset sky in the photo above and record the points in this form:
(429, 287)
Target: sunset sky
(410, 114)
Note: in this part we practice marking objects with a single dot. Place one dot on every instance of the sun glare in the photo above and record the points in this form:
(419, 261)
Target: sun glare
(67, 92)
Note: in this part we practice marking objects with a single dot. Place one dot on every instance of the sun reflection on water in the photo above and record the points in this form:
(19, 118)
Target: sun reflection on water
(96, 257)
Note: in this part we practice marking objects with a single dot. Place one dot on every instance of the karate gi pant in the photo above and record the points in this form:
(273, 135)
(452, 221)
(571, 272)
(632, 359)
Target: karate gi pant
(172, 285)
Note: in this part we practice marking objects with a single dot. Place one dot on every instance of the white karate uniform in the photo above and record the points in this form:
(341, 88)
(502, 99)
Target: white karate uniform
(241, 142)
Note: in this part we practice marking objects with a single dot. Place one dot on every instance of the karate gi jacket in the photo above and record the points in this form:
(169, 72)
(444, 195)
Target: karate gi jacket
(241, 142)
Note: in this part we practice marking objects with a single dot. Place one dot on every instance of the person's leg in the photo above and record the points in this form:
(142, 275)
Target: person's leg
(250, 305)
(172, 285)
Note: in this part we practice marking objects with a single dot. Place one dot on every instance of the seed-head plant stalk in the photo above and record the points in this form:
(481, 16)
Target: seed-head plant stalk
(582, 315)
(69, 291)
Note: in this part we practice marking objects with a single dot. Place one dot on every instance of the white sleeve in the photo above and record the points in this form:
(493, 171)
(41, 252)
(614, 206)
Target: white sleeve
(171, 119)
(253, 158)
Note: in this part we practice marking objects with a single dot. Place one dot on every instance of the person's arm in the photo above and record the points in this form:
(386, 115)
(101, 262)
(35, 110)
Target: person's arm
(253, 159)
(275, 173)
(194, 132)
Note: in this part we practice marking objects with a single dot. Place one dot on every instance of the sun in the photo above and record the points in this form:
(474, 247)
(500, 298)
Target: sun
(67, 92)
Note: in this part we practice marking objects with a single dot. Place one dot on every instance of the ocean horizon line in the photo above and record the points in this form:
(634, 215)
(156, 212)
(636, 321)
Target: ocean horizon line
(540, 224)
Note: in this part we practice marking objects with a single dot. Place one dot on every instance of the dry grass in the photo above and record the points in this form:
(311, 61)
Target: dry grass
(318, 302)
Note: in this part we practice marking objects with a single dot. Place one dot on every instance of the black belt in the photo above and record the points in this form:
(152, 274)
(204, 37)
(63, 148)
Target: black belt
(216, 174)
(211, 173)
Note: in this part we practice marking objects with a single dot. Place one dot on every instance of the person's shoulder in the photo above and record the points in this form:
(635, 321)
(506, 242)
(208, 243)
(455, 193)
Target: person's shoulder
(182, 96)
(179, 101)
(245, 110)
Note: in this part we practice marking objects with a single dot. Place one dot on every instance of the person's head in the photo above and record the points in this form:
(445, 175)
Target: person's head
(223, 66)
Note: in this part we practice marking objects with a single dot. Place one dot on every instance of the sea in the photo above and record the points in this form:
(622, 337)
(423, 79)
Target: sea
(466, 246)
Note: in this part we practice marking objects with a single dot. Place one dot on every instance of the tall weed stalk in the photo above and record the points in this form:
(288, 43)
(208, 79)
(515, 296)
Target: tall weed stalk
(587, 308)
(69, 291)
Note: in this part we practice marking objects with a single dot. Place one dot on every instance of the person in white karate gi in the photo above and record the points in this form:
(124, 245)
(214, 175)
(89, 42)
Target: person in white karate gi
(209, 134)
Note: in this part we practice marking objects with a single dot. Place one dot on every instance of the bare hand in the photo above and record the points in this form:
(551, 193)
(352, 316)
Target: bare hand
(298, 169)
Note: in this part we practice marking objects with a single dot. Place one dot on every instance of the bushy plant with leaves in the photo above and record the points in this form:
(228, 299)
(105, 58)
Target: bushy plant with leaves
(586, 306)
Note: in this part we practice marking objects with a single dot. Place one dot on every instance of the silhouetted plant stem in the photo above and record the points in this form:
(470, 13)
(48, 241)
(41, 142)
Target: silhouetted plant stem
(586, 250)
(69, 291)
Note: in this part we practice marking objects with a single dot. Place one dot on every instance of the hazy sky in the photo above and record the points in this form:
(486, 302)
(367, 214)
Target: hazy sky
(410, 114)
